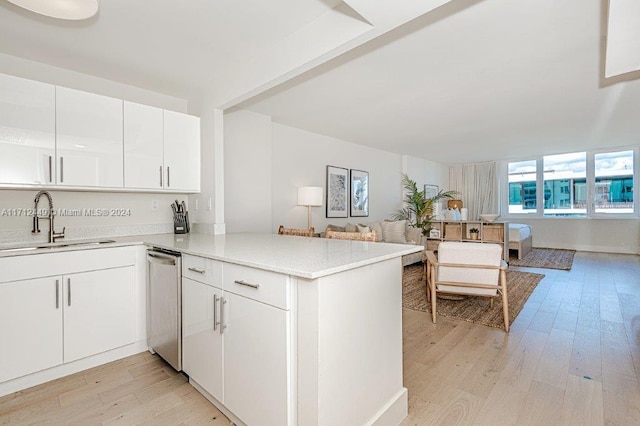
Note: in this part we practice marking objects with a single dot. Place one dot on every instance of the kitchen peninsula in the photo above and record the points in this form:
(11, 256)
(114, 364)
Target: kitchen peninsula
(309, 330)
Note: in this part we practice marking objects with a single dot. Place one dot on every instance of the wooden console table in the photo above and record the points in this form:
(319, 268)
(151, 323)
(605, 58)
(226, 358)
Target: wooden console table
(458, 230)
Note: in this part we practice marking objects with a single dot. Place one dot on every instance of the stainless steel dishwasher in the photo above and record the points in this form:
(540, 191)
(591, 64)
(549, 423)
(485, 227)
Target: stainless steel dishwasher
(164, 305)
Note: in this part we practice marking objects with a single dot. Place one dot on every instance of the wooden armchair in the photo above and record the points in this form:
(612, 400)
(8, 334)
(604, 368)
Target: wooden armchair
(297, 232)
(471, 269)
(358, 236)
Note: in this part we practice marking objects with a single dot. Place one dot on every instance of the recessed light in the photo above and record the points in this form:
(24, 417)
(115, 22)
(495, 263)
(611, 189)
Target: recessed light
(74, 10)
(78, 145)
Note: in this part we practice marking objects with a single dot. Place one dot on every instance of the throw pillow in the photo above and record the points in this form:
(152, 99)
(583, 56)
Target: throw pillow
(362, 228)
(375, 226)
(394, 232)
(350, 227)
(335, 228)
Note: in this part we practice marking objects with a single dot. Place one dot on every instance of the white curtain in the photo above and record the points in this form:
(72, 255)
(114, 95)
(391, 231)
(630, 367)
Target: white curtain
(478, 185)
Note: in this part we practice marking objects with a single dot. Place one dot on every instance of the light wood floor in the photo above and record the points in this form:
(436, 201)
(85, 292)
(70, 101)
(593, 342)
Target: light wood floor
(572, 357)
(138, 390)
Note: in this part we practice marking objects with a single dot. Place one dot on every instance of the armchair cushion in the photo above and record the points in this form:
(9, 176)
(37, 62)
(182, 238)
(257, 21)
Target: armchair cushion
(465, 254)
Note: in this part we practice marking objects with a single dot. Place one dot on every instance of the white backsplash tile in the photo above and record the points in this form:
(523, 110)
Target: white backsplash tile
(82, 233)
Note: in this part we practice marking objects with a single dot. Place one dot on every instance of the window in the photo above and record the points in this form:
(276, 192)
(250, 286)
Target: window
(613, 182)
(563, 176)
(579, 184)
(522, 187)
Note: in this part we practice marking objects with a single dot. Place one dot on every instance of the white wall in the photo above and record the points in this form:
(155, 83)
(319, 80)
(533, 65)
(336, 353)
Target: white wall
(140, 204)
(599, 235)
(266, 162)
(426, 172)
(300, 158)
(247, 172)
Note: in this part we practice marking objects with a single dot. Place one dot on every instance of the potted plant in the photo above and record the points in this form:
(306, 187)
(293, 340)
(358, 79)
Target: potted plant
(473, 233)
(418, 210)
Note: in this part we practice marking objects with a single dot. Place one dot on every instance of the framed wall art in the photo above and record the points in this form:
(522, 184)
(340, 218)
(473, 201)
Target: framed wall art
(337, 184)
(430, 191)
(359, 193)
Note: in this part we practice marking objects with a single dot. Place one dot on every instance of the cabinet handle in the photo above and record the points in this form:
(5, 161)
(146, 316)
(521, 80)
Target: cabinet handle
(199, 271)
(61, 169)
(222, 324)
(68, 291)
(168, 176)
(50, 169)
(215, 311)
(57, 294)
(160, 176)
(246, 284)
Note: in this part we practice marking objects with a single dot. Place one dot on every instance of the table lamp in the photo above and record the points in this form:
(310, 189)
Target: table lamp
(310, 196)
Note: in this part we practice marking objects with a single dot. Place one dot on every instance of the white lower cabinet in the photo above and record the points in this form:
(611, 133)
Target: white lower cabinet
(30, 326)
(235, 347)
(201, 339)
(256, 358)
(99, 312)
(46, 321)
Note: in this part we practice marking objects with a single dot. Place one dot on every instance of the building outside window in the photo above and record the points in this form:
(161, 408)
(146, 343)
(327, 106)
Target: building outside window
(581, 184)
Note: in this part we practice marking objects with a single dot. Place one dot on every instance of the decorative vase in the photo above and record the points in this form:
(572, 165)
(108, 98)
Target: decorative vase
(454, 204)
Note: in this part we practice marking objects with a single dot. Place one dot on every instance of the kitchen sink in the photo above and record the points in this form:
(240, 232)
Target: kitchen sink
(56, 245)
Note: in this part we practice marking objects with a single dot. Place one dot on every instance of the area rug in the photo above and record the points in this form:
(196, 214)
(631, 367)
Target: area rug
(520, 285)
(546, 258)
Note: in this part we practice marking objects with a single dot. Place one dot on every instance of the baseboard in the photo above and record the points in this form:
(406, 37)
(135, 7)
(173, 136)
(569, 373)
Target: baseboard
(394, 412)
(53, 373)
(590, 248)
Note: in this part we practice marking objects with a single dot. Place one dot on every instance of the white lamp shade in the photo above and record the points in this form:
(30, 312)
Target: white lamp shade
(310, 196)
(61, 9)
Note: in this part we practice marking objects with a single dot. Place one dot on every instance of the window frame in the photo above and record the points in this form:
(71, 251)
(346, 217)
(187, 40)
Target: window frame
(590, 186)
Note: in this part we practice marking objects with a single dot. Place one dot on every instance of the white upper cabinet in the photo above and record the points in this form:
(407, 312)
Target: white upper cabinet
(89, 139)
(27, 131)
(52, 135)
(181, 151)
(161, 149)
(143, 147)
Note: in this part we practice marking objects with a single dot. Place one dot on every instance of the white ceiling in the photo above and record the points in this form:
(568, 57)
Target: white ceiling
(471, 81)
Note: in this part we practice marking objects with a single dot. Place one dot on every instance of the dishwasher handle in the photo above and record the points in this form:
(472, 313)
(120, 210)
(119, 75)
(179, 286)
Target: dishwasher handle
(164, 259)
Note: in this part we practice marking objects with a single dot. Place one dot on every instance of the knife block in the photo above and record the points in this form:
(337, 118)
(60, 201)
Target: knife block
(181, 223)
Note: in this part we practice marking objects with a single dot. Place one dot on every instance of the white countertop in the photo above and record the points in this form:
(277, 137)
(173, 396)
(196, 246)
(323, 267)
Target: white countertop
(298, 256)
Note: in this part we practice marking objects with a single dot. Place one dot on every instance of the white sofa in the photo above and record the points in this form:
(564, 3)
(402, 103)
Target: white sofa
(398, 232)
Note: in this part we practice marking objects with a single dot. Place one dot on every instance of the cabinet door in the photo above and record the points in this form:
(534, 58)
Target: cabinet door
(201, 339)
(89, 139)
(256, 361)
(30, 326)
(182, 151)
(27, 131)
(99, 311)
(143, 147)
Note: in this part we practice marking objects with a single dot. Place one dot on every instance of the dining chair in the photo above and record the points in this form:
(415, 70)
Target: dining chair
(357, 236)
(297, 232)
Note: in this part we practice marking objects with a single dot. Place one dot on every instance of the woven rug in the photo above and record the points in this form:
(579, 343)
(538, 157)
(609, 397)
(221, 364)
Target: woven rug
(546, 258)
(520, 285)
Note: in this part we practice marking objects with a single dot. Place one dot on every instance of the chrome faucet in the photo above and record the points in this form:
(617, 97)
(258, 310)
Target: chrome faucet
(36, 219)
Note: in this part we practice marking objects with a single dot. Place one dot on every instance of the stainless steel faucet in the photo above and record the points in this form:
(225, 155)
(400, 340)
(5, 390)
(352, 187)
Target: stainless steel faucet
(36, 219)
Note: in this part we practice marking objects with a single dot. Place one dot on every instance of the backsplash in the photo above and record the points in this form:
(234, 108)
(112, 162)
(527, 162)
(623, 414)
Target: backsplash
(85, 215)
(83, 233)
